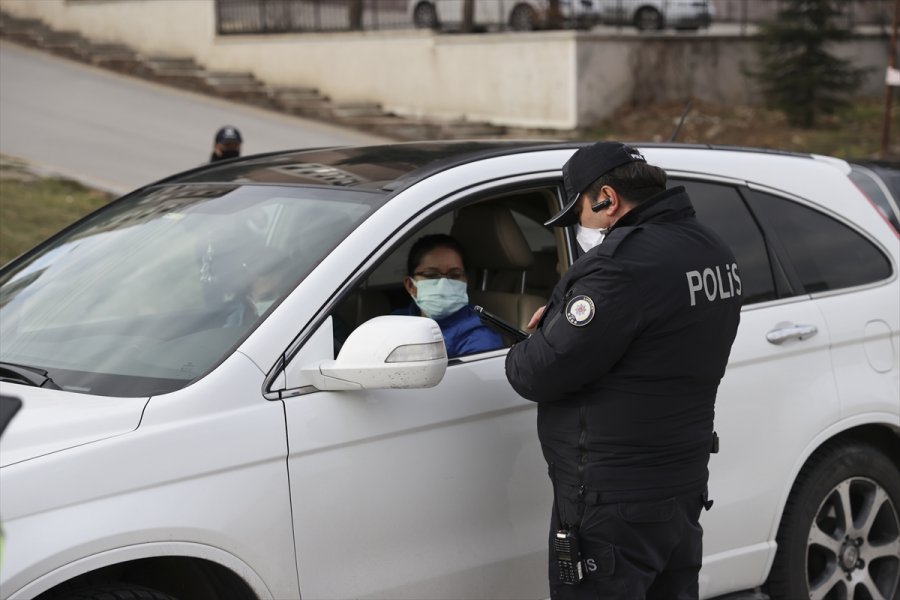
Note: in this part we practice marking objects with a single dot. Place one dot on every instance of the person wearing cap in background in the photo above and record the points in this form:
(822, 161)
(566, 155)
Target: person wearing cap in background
(624, 364)
(227, 144)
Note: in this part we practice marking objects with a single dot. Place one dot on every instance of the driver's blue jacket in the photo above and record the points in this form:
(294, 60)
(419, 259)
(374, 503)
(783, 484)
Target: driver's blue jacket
(463, 331)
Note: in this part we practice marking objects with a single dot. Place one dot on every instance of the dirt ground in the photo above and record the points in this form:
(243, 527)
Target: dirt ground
(854, 133)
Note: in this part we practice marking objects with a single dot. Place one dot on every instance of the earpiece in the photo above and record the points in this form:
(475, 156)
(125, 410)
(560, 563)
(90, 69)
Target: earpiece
(601, 205)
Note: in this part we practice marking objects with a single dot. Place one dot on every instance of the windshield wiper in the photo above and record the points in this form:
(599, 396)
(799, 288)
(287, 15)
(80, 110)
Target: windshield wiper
(28, 375)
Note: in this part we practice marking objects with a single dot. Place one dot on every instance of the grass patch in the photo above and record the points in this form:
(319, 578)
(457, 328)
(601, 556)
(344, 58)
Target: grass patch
(855, 132)
(32, 208)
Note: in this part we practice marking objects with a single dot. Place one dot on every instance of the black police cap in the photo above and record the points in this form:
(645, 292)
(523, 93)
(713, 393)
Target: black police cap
(228, 134)
(584, 168)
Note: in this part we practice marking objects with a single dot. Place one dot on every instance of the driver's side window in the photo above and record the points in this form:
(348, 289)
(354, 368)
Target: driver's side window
(511, 265)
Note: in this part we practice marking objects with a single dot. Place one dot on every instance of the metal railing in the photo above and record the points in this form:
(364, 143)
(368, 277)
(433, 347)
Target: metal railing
(302, 16)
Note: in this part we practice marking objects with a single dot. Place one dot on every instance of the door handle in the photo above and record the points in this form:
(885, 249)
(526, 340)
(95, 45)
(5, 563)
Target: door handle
(790, 331)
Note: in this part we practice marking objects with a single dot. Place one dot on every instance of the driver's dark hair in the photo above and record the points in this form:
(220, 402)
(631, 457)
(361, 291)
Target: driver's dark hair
(426, 244)
(635, 182)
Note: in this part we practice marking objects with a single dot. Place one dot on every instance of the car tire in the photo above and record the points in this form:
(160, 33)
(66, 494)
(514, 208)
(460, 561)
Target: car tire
(425, 16)
(522, 18)
(648, 18)
(823, 554)
(113, 591)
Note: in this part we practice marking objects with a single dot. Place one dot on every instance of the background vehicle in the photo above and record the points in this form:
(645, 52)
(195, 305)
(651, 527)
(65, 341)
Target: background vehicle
(880, 181)
(656, 14)
(518, 15)
(240, 417)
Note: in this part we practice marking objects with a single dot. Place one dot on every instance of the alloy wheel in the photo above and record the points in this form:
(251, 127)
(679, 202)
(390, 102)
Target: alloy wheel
(853, 552)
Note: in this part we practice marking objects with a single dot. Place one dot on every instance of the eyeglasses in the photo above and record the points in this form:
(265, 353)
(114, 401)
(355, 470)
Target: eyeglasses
(455, 274)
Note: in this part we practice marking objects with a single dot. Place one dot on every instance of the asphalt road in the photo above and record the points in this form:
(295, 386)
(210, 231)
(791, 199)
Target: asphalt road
(118, 133)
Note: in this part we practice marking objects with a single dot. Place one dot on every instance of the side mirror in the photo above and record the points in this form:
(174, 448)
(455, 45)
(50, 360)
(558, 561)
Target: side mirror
(398, 352)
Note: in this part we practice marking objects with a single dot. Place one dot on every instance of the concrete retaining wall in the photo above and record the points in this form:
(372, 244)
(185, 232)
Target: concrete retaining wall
(560, 79)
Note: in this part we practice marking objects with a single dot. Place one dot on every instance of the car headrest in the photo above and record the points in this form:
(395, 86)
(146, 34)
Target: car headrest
(491, 238)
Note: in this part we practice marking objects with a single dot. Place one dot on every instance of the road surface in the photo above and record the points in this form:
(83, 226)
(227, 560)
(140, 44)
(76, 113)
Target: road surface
(118, 133)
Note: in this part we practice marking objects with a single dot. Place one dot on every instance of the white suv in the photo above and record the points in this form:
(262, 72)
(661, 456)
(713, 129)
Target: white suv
(218, 403)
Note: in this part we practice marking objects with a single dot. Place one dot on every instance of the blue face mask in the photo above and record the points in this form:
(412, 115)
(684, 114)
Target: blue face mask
(439, 298)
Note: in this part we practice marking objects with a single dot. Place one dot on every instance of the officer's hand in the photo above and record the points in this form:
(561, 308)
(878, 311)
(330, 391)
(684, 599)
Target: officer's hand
(536, 317)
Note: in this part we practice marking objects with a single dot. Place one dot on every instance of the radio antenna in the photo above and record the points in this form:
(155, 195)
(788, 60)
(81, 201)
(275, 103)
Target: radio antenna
(684, 113)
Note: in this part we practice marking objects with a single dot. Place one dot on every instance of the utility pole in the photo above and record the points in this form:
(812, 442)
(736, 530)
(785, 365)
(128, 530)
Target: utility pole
(888, 87)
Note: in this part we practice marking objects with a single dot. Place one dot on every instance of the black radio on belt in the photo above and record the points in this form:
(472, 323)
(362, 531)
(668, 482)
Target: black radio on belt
(565, 544)
(568, 557)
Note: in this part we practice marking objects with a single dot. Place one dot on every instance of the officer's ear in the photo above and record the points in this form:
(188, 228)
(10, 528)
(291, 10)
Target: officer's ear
(617, 205)
(604, 200)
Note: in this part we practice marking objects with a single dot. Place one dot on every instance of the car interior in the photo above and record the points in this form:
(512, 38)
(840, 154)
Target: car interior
(513, 260)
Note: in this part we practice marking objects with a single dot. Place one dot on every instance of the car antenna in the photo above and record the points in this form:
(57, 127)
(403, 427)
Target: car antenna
(684, 113)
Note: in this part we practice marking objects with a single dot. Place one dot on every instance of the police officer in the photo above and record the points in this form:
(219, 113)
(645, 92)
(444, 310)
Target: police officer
(624, 365)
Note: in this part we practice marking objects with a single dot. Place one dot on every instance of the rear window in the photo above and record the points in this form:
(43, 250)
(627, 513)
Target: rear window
(826, 254)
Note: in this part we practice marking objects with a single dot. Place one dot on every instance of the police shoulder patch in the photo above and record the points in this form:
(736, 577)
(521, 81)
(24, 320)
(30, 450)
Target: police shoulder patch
(580, 311)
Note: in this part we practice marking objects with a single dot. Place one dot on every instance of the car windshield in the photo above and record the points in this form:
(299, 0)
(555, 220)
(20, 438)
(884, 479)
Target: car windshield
(153, 291)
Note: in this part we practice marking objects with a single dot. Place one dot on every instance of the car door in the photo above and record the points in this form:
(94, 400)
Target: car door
(847, 273)
(492, 13)
(450, 12)
(432, 493)
(777, 394)
(423, 493)
(616, 11)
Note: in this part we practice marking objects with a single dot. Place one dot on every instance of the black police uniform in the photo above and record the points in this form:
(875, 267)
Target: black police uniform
(625, 364)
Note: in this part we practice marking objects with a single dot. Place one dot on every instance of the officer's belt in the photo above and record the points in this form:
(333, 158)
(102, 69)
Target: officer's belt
(588, 497)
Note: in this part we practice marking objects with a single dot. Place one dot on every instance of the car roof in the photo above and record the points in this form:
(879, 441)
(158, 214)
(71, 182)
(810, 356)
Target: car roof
(388, 168)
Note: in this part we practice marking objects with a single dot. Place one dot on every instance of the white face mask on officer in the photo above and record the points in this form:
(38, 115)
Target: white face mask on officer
(589, 237)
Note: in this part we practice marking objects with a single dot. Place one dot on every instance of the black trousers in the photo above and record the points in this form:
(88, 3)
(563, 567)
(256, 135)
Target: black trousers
(635, 550)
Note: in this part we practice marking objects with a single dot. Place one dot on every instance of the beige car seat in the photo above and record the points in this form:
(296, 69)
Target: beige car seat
(497, 253)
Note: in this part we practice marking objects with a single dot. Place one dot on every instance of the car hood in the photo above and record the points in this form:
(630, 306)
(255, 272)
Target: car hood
(53, 420)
